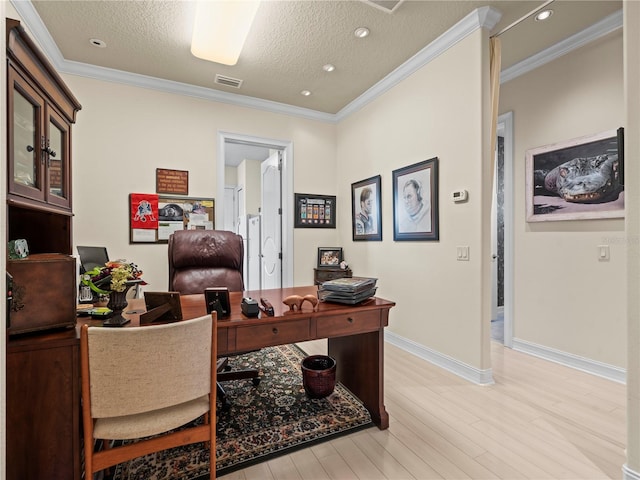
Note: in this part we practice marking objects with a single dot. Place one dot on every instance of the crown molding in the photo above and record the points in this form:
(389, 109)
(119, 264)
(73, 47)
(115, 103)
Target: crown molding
(598, 30)
(485, 17)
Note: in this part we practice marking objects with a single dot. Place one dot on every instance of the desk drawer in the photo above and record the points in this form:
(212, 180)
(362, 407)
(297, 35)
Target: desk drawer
(258, 336)
(350, 324)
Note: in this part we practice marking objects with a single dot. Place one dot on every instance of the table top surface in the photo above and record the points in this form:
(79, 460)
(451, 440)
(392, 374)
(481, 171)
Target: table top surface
(194, 306)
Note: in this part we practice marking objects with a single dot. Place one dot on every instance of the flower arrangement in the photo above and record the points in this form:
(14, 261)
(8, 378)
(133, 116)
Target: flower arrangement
(113, 277)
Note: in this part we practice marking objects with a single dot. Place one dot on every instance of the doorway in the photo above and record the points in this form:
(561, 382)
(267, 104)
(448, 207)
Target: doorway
(502, 234)
(226, 143)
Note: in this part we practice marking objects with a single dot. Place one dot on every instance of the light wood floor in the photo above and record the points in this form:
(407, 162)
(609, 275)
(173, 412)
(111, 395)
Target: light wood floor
(539, 421)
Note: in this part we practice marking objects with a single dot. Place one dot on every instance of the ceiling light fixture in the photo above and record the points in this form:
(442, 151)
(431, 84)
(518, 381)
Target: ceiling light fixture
(361, 32)
(543, 15)
(96, 42)
(328, 67)
(221, 28)
(306, 93)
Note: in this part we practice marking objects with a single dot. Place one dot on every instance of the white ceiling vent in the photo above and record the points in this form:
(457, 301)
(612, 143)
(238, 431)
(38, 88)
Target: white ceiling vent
(388, 6)
(228, 81)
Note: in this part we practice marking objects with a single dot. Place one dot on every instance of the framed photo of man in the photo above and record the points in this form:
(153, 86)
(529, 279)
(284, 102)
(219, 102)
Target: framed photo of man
(415, 201)
(365, 209)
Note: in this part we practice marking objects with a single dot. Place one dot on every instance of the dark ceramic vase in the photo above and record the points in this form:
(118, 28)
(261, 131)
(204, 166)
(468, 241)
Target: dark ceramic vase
(118, 301)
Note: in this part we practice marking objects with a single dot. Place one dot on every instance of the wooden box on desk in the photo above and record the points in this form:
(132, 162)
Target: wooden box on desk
(321, 275)
(44, 293)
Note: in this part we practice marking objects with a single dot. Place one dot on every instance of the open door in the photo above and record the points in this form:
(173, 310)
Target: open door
(271, 224)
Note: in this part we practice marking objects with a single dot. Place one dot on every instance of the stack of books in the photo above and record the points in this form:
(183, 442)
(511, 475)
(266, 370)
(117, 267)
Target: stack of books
(347, 290)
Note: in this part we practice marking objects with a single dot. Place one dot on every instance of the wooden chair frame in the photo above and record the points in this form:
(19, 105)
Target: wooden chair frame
(107, 457)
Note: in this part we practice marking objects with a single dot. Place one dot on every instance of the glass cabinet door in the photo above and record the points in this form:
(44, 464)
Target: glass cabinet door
(25, 152)
(57, 150)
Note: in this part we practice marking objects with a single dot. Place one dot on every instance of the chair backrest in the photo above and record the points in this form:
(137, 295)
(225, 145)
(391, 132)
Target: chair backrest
(140, 369)
(199, 259)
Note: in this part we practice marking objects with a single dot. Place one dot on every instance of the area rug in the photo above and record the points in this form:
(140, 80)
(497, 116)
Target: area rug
(273, 419)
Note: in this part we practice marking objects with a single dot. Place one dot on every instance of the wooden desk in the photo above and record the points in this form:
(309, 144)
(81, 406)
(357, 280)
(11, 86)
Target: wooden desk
(355, 335)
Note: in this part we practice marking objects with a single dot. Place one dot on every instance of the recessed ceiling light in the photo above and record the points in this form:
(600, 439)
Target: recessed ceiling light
(543, 15)
(361, 32)
(96, 42)
(306, 93)
(328, 67)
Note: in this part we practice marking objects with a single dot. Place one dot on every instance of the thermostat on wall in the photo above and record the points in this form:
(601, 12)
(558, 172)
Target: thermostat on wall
(459, 195)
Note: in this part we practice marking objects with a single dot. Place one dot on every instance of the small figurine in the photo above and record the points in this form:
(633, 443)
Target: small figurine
(343, 265)
(294, 302)
(313, 300)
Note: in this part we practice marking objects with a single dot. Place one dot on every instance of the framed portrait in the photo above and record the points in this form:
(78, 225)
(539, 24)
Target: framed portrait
(365, 209)
(415, 201)
(578, 179)
(329, 257)
(314, 211)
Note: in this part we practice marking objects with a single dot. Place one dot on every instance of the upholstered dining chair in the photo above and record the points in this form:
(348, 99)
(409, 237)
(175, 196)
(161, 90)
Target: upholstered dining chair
(139, 383)
(199, 259)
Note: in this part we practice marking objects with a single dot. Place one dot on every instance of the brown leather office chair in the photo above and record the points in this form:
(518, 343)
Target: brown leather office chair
(199, 259)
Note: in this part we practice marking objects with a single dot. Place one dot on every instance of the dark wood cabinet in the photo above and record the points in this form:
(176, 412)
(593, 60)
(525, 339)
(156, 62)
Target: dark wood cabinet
(41, 110)
(42, 368)
(325, 274)
(43, 401)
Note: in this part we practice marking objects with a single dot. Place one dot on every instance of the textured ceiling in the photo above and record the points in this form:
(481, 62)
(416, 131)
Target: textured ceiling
(290, 41)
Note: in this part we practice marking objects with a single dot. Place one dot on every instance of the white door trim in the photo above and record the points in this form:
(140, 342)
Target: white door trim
(287, 191)
(505, 129)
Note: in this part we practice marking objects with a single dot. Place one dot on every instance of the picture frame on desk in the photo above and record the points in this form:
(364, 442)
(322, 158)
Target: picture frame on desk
(329, 257)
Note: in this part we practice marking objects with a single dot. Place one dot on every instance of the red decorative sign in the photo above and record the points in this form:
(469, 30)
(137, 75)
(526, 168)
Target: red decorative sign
(144, 210)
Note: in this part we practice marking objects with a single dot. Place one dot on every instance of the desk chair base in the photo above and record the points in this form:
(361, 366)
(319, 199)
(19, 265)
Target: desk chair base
(226, 374)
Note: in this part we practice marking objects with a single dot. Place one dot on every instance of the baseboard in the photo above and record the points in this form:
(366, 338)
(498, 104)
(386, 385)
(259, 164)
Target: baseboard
(628, 474)
(475, 375)
(593, 367)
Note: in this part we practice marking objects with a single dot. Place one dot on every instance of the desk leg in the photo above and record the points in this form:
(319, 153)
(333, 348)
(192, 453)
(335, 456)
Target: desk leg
(360, 368)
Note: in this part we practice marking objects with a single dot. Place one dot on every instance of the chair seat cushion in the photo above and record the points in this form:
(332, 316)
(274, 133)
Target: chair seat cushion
(150, 423)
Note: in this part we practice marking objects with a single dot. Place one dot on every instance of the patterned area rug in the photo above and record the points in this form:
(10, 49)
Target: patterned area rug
(272, 419)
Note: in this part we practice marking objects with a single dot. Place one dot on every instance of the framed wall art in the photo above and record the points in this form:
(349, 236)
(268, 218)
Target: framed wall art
(415, 201)
(314, 211)
(329, 257)
(366, 209)
(153, 218)
(579, 179)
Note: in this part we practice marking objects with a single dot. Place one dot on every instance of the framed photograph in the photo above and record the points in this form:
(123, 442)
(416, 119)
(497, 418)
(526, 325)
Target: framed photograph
(329, 257)
(579, 179)
(314, 211)
(415, 201)
(365, 209)
(217, 298)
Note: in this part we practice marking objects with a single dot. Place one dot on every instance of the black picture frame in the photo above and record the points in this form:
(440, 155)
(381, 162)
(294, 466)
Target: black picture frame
(329, 257)
(415, 202)
(217, 298)
(366, 209)
(314, 211)
(553, 193)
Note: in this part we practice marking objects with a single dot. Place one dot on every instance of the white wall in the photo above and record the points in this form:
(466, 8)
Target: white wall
(565, 298)
(124, 133)
(437, 112)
